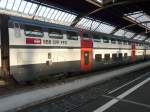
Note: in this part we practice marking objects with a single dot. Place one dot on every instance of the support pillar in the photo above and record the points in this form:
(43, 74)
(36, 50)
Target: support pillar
(5, 62)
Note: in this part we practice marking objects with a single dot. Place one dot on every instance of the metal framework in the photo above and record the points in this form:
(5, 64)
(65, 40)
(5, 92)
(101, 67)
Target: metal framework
(39, 11)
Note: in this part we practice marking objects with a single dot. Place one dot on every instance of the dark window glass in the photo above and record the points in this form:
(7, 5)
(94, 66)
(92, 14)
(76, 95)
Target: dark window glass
(125, 55)
(86, 57)
(113, 41)
(72, 35)
(107, 57)
(129, 43)
(97, 38)
(125, 43)
(119, 42)
(86, 35)
(33, 31)
(98, 57)
(114, 56)
(105, 40)
(120, 55)
(55, 33)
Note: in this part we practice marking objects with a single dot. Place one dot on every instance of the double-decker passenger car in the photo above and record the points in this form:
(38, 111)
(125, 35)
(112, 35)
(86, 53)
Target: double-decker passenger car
(38, 48)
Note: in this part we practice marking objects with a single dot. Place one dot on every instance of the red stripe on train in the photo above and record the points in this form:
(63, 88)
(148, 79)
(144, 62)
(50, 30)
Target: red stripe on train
(33, 41)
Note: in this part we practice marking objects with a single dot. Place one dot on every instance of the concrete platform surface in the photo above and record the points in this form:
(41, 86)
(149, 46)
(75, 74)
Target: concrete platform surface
(21, 100)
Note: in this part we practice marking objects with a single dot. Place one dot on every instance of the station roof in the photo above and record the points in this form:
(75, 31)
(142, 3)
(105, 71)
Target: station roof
(124, 18)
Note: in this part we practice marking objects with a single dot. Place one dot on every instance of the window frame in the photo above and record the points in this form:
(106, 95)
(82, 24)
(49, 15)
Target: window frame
(105, 40)
(77, 35)
(106, 58)
(32, 27)
(56, 37)
(98, 57)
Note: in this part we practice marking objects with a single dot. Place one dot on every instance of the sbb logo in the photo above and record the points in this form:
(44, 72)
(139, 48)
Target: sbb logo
(33, 41)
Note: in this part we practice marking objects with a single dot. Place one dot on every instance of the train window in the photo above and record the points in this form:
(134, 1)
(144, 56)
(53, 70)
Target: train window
(114, 56)
(120, 55)
(113, 41)
(72, 35)
(125, 55)
(125, 43)
(86, 57)
(97, 38)
(129, 43)
(105, 40)
(49, 55)
(55, 33)
(98, 57)
(86, 35)
(107, 57)
(119, 42)
(33, 31)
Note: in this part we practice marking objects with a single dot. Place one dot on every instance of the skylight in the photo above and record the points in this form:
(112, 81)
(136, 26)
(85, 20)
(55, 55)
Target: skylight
(100, 1)
(95, 25)
(140, 17)
(140, 37)
(44, 13)
(124, 33)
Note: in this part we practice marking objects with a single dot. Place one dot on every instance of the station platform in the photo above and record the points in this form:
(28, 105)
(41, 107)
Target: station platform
(24, 99)
(133, 97)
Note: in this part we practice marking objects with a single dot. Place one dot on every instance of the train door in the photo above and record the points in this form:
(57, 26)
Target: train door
(86, 52)
(86, 59)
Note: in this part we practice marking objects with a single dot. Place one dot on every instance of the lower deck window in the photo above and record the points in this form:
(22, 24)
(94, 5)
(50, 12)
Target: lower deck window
(107, 57)
(114, 56)
(120, 55)
(98, 57)
(125, 55)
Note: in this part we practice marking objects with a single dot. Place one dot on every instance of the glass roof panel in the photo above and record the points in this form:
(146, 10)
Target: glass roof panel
(50, 13)
(16, 5)
(139, 17)
(95, 25)
(104, 28)
(22, 6)
(46, 12)
(3, 3)
(38, 11)
(140, 37)
(124, 33)
(120, 33)
(28, 7)
(33, 8)
(129, 34)
(10, 4)
(41, 12)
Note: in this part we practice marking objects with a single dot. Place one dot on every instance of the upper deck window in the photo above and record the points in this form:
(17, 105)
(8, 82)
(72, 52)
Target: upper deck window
(113, 41)
(105, 40)
(97, 38)
(72, 35)
(120, 42)
(86, 35)
(33, 31)
(55, 33)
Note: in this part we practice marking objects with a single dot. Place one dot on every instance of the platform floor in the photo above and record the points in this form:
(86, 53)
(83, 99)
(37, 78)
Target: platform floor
(133, 97)
(87, 100)
(126, 94)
